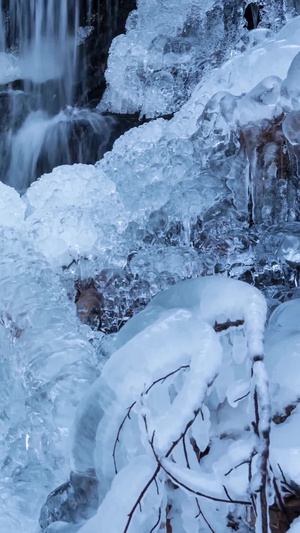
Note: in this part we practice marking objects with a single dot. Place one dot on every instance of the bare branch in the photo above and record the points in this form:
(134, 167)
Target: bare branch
(242, 397)
(160, 380)
(185, 452)
(138, 501)
(200, 513)
(156, 523)
(237, 466)
(163, 379)
(179, 483)
(118, 434)
(228, 324)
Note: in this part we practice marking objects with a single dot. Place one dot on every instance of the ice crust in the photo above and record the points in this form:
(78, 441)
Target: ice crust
(169, 202)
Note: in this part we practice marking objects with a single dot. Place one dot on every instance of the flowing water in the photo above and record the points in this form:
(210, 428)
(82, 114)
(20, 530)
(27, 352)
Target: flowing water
(42, 128)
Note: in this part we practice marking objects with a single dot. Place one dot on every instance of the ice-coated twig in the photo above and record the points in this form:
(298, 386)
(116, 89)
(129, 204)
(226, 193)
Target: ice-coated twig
(127, 416)
(200, 513)
(185, 452)
(171, 476)
(242, 397)
(246, 462)
(163, 379)
(158, 468)
(118, 434)
(202, 494)
(262, 427)
(279, 499)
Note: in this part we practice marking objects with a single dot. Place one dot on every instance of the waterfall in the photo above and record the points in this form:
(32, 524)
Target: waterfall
(45, 35)
(2, 31)
(44, 129)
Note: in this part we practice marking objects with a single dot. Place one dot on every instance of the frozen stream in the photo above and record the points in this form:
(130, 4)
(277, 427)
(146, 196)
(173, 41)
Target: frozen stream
(212, 191)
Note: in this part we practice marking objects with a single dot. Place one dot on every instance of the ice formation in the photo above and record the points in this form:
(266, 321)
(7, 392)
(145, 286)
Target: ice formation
(183, 358)
(211, 191)
(169, 46)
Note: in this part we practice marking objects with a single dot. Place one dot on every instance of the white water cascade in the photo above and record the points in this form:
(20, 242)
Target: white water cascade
(45, 33)
(44, 39)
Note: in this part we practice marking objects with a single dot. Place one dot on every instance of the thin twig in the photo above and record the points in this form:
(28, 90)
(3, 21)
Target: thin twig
(163, 379)
(138, 501)
(288, 485)
(160, 380)
(185, 452)
(153, 477)
(179, 483)
(118, 434)
(237, 466)
(279, 499)
(227, 493)
(158, 521)
(242, 397)
(200, 513)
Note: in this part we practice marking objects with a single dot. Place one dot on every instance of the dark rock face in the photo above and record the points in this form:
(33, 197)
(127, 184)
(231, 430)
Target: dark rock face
(108, 19)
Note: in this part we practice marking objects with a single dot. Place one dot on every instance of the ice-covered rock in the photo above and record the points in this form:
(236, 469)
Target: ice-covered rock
(168, 48)
(46, 365)
(12, 207)
(290, 93)
(291, 127)
(73, 212)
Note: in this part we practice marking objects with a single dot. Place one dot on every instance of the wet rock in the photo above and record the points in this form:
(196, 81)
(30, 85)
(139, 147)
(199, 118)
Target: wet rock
(72, 502)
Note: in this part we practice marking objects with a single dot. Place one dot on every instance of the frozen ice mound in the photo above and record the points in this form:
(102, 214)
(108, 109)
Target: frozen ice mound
(46, 365)
(283, 358)
(168, 48)
(72, 212)
(171, 200)
(12, 208)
